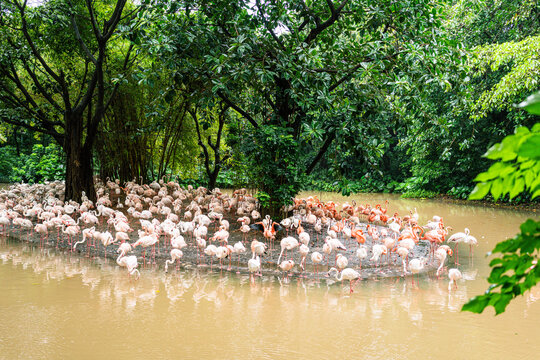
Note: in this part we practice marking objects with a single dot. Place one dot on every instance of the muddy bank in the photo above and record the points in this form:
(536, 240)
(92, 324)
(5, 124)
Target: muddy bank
(193, 258)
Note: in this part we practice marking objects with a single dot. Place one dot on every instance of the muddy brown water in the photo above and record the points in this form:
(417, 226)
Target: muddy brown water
(57, 304)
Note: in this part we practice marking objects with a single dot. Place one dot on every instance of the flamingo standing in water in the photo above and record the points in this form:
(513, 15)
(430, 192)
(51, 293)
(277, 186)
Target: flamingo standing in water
(43, 231)
(221, 253)
(129, 262)
(316, 258)
(361, 254)
(465, 238)
(239, 248)
(4, 221)
(211, 251)
(440, 254)
(346, 274)
(71, 231)
(327, 249)
(257, 248)
(287, 243)
(378, 250)
(146, 241)
(124, 248)
(416, 265)
(403, 252)
(106, 240)
(304, 251)
(175, 255)
(454, 275)
(201, 245)
(341, 262)
(254, 266)
(286, 266)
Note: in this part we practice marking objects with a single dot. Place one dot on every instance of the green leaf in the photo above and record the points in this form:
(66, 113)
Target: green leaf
(529, 227)
(532, 104)
(496, 274)
(479, 191)
(518, 187)
(496, 188)
(530, 147)
(501, 304)
(476, 304)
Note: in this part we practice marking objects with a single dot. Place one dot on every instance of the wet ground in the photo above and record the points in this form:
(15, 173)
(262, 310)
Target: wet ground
(388, 266)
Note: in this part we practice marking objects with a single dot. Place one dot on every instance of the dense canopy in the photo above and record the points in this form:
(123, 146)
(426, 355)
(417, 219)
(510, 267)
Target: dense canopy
(355, 95)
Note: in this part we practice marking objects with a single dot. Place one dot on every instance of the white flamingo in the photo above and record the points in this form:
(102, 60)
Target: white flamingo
(454, 275)
(175, 255)
(346, 274)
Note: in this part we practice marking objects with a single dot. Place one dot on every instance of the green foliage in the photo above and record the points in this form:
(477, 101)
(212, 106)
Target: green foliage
(263, 198)
(532, 104)
(366, 184)
(8, 160)
(43, 164)
(517, 170)
(521, 64)
(275, 172)
(514, 272)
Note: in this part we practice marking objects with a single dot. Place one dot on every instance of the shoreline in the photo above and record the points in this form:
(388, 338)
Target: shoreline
(191, 261)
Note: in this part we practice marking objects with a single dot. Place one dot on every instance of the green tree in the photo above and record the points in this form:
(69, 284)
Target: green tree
(302, 75)
(53, 75)
(450, 125)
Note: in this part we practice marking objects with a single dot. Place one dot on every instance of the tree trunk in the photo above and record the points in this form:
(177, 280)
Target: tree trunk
(79, 169)
(212, 177)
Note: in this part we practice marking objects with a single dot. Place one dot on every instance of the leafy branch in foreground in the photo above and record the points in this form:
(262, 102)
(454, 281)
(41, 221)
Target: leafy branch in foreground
(513, 273)
(517, 170)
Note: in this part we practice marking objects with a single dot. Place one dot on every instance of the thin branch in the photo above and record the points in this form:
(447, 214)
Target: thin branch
(353, 70)
(238, 109)
(13, 76)
(95, 26)
(41, 89)
(83, 82)
(319, 28)
(344, 78)
(124, 68)
(274, 36)
(110, 25)
(81, 41)
(321, 152)
(201, 144)
(57, 136)
(33, 47)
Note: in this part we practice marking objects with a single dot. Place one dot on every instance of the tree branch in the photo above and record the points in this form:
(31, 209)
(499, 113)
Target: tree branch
(353, 70)
(110, 25)
(14, 77)
(79, 38)
(36, 53)
(321, 152)
(274, 36)
(344, 78)
(238, 109)
(95, 26)
(57, 136)
(201, 144)
(319, 28)
(40, 88)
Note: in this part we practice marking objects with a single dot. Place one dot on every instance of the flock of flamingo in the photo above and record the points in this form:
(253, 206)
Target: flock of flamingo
(349, 240)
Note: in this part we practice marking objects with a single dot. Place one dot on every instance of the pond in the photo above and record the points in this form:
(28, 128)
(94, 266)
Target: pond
(58, 304)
